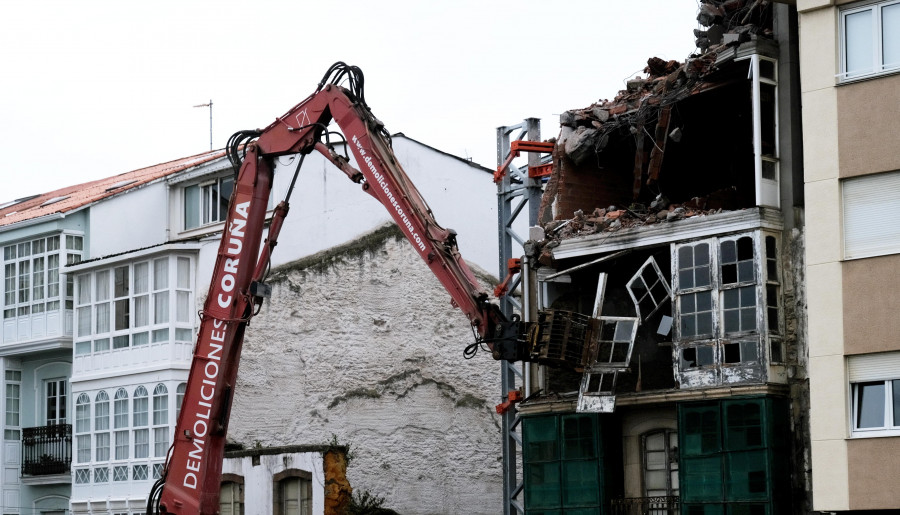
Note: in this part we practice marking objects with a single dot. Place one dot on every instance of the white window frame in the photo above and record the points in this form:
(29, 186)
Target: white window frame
(169, 329)
(13, 406)
(30, 297)
(878, 66)
(205, 215)
(888, 429)
(883, 367)
(143, 411)
(62, 400)
(760, 283)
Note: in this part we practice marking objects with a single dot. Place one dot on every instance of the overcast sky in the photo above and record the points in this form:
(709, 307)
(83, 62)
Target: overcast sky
(92, 89)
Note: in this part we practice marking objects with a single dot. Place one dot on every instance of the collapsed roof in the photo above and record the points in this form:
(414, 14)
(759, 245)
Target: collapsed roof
(677, 142)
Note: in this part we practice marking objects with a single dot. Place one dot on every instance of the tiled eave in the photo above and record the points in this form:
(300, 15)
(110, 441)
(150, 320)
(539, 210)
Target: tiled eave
(691, 228)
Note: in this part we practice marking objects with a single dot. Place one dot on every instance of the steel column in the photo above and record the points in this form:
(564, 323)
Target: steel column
(517, 194)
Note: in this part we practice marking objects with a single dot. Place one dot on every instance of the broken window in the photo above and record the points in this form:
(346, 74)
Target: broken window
(648, 289)
(740, 352)
(724, 318)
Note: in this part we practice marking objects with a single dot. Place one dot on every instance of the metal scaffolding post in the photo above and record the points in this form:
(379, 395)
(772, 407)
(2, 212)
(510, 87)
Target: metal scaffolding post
(517, 193)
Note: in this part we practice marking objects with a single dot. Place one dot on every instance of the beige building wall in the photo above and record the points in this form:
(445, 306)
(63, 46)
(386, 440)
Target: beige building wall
(849, 130)
(821, 156)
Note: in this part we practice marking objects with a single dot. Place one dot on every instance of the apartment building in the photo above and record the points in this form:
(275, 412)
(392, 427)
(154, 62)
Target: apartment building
(102, 283)
(850, 59)
(666, 285)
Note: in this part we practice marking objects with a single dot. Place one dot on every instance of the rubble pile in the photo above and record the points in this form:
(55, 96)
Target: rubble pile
(612, 218)
(729, 23)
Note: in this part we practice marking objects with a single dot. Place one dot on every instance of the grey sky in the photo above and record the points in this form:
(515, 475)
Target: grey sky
(96, 88)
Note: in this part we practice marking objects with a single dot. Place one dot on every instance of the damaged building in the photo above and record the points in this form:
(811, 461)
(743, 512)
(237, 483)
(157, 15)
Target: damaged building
(664, 288)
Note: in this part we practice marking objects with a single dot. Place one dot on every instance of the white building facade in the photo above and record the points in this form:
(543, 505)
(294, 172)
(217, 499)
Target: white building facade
(101, 302)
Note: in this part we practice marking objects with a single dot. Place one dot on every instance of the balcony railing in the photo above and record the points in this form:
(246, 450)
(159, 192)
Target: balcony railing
(46, 449)
(646, 506)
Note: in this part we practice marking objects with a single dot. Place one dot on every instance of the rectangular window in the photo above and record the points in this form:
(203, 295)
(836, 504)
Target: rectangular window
(875, 393)
(132, 304)
(868, 203)
(207, 203)
(102, 451)
(121, 445)
(13, 399)
(733, 452)
(727, 305)
(870, 40)
(563, 460)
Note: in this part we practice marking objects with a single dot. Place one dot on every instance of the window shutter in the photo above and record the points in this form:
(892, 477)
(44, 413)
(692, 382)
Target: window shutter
(874, 367)
(871, 204)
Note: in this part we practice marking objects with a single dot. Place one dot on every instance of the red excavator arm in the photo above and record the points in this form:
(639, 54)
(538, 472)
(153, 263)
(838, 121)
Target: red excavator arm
(190, 483)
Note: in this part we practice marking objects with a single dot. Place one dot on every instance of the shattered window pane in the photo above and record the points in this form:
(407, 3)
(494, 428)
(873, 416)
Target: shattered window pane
(776, 352)
(688, 358)
(648, 289)
(736, 258)
(732, 353)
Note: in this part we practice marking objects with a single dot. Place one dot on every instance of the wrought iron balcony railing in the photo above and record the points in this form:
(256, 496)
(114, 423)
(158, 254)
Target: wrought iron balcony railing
(646, 506)
(46, 449)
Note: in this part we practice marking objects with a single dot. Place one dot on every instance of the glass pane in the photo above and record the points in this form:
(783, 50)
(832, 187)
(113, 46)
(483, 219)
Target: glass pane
(141, 277)
(122, 314)
(84, 321)
(705, 356)
(121, 281)
(141, 311)
(701, 430)
(581, 481)
(191, 207)
(858, 42)
(182, 306)
(184, 273)
(102, 285)
(540, 439)
(579, 437)
(743, 425)
(890, 35)
(728, 251)
(543, 485)
(656, 442)
(702, 479)
(896, 398)
(746, 476)
(84, 288)
(101, 345)
(160, 274)
(870, 405)
(161, 307)
(140, 339)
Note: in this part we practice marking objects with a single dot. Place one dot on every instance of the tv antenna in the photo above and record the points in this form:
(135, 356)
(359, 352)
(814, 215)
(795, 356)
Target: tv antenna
(209, 105)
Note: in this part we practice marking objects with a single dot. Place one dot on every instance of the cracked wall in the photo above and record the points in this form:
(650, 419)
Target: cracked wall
(365, 345)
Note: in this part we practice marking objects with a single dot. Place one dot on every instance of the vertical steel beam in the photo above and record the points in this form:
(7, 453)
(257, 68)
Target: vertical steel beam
(517, 194)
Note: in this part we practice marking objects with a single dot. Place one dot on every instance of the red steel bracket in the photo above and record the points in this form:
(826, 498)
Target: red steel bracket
(513, 266)
(512, 398)
(518, 146)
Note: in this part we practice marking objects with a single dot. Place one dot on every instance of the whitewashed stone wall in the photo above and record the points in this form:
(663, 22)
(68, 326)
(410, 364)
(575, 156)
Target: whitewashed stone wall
(365, 345)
